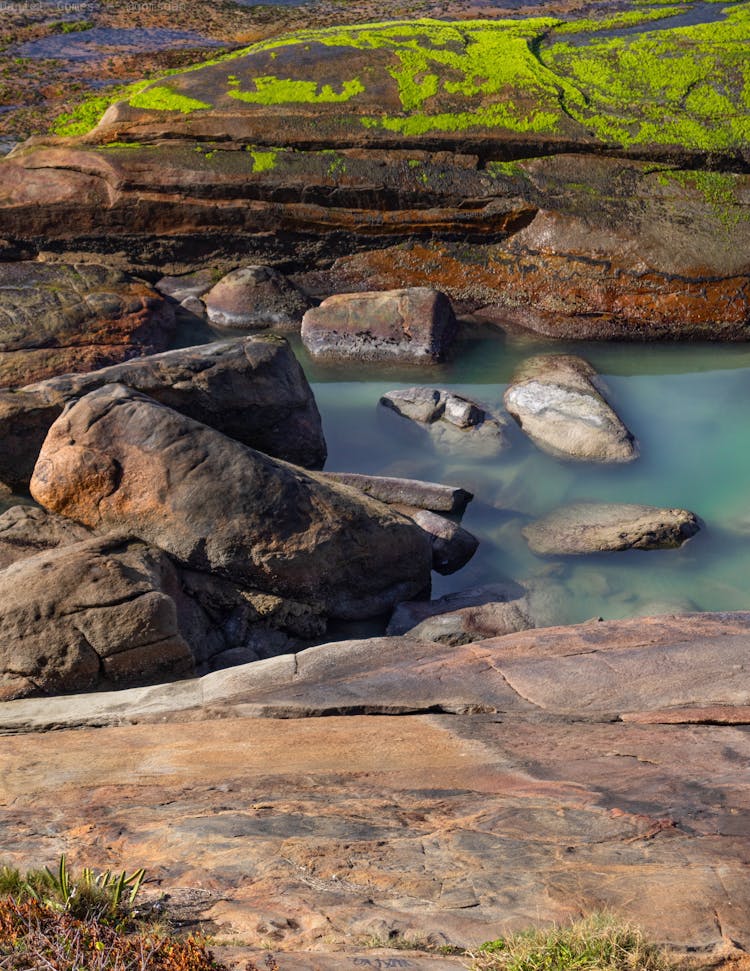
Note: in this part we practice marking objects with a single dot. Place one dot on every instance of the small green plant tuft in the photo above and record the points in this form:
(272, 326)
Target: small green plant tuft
(596, 943)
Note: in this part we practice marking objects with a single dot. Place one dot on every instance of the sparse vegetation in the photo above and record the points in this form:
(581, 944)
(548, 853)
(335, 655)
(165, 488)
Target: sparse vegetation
(596, 943)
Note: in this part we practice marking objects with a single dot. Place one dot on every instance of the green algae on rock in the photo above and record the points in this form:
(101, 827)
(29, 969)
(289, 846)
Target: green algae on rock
(677, 88)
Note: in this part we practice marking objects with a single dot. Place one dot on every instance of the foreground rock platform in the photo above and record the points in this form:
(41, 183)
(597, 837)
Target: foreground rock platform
(606, 776)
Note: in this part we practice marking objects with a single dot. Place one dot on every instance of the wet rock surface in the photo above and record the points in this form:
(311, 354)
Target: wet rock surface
(449, 826)
(117, 460)
(56, 318)
(590, 527)
(251, 389)
(415, 325)
(556, 400)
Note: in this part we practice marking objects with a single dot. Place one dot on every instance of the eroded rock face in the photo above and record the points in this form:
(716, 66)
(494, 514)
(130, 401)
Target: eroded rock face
(118, 460)
(453, 421)
(256, 298)
(98, 612)
(251, 389)
(599, 527)
(59, 317)
(452, 545)
(414, 325)
(556, 401)
(28, 530)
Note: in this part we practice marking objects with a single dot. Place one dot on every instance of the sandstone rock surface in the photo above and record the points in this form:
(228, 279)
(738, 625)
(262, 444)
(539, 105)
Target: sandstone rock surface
(460, 828)
(415, 325)
(255, 298)
(556, 401)
(27, 530)
(251, 389)
(60, 317)
(407, 492)
(590, 527)
(95, 613)
(118, 460)
(466, 616)
(453, 421)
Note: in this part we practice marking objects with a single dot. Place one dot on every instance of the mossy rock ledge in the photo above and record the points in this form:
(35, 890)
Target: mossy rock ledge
(553, 175)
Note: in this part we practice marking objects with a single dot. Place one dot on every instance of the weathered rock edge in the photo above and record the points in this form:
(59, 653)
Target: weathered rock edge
(690, 668)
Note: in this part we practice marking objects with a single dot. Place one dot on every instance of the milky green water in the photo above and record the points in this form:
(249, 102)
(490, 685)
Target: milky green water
(688, 406)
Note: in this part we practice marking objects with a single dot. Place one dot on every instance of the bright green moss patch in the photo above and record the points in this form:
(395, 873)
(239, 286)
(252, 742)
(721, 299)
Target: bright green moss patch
(272, 91)
(689, 86)
(508, 169)
(625, 18)
(162, 98)
(263, 161)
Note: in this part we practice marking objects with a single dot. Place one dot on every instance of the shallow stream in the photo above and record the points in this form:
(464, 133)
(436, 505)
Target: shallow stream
(686, 404)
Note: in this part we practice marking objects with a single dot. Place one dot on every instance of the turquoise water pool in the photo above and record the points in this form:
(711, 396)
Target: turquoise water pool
(687, 405)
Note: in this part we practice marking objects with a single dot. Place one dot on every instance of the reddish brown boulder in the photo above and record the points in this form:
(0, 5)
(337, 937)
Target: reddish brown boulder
(415, 325)
(255, 298)
(118, 460)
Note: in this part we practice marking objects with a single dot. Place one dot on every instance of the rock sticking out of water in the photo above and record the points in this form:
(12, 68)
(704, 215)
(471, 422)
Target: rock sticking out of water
(415, 325)
(599, 527)
(556, 401)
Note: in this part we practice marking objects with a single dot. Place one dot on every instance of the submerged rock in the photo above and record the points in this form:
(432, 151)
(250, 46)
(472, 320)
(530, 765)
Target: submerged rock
(415, 325)
(59, 317)
(452, 420)
(255, 297)
(251, 389)
(556, 401)
(118, 460)
(593, 527)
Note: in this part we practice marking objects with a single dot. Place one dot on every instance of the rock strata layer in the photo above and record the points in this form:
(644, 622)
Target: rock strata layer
(251, 389)
(601, 527)
(118, 460)
(556, 400)
(60, 317)
(415, 326)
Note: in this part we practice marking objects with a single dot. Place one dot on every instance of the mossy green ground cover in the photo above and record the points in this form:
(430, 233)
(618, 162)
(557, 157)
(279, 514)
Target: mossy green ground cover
(686, 86)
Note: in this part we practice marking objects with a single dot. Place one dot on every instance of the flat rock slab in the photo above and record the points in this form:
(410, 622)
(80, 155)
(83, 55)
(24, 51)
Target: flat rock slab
(556, 400)
(433, 496)
(62, 317)
(318, 833)
(594, 527)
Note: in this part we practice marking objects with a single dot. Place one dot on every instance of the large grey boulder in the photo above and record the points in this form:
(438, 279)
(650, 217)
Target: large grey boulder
(99, 613)
(594, 527)
(415, 325)
(255, 297)
(252, 389)
(117, 460)
(556, 400)
(452, 420)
